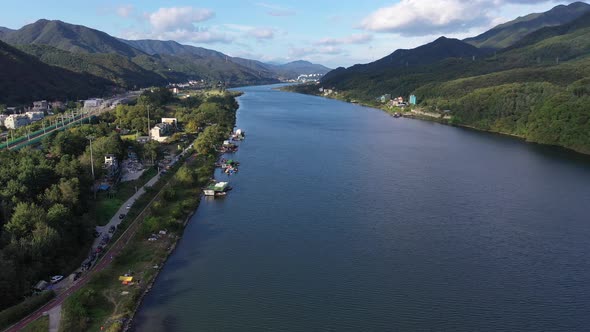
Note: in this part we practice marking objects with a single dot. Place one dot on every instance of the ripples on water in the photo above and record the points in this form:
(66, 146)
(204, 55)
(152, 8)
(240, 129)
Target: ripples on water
(344, 218)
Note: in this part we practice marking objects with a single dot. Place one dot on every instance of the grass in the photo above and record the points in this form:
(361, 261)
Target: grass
(130, 137)
(116, 302)
(107, 206)
(39, 325)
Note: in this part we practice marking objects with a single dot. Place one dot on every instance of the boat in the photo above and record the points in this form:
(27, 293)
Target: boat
(217, 189)
(397, 115)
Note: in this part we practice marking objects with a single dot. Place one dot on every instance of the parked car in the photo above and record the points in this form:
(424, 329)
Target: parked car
(112, 229)
(122, 215)
(96, 234)
(128, 206)
(56, 279)
(77, 275)
(99, 249)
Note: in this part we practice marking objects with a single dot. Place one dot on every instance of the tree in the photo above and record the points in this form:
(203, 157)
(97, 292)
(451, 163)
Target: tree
(24, 217)
(151, 151)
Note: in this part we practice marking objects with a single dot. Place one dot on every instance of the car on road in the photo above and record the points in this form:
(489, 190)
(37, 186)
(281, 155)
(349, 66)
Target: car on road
(122, 215)
(56, 279)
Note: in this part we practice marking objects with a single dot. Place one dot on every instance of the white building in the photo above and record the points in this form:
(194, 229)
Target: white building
(160, 132)
(35, 116)
(93, 103)
(14, 121)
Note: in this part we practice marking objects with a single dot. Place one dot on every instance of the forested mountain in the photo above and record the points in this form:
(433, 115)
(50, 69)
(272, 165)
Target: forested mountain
(24, 77)
(68, 37)
(539, 88)
(106, 61)
(509, 33)
(295, 68)
(284, 71)
(440, 49)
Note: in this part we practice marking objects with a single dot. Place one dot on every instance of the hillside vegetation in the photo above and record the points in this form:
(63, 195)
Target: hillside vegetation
(537, 89)
(26, 78)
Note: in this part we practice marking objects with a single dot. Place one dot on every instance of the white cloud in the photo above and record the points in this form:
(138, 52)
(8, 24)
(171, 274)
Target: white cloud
(276, 10)
(359, 38)
(125, 10)
(261, 33)
(422, 17)
(200, 35)
(178, 18)
(247, 31)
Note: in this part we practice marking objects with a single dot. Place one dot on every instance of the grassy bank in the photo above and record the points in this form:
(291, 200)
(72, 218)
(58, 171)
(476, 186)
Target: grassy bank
(106, 205)
(40, 325)
(13, 314)
(545, 130)
(105, 302)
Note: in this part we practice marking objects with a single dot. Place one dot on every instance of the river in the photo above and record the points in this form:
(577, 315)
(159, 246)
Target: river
(343, 218)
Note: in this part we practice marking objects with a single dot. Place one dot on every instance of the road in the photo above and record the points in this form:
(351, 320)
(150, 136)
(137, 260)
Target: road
(106, 259)
(103, 262)
(79, 119)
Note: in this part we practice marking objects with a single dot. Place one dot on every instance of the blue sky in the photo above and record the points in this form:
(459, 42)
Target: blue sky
(333, 33)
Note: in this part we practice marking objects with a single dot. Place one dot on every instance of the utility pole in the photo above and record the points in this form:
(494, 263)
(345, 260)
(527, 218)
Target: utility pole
(148, 124)
(92, 165)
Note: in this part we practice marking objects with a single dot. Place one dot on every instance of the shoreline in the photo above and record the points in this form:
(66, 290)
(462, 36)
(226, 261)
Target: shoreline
(147, 259)
(442, 121)
(149, 287)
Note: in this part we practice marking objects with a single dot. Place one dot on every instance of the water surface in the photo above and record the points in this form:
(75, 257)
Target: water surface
(344, 218)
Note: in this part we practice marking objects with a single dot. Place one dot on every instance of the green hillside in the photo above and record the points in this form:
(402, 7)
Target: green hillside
(68, 37)
(25, 78)
(538, 89)
(508, 33)
(113, 67)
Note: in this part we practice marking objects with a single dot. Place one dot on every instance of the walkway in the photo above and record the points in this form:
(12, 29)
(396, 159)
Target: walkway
(71, 287)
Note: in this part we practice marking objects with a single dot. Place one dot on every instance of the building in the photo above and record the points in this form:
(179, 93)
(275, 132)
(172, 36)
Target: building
(175, 90)
(40, 106)
(160, 132)
(14, 121)
(111, 166)
(35, 116)
(171, 121)
(413, 100)
(93, 103)
(385, 98)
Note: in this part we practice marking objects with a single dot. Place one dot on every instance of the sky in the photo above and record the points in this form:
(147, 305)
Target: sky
(333, 33)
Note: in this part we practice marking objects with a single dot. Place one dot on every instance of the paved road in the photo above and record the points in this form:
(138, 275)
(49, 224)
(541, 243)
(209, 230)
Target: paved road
(103, 262)
(54, 318)
(71, 287)
(115, 221)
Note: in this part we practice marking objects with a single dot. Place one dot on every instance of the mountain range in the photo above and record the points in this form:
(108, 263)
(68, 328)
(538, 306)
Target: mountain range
(508, 33)
(113, 62)
(530, 78)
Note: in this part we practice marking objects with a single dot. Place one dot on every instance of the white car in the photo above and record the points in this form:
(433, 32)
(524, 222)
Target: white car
(128, 206)
(56, 279)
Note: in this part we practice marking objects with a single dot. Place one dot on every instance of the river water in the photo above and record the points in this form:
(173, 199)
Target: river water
(343, 218)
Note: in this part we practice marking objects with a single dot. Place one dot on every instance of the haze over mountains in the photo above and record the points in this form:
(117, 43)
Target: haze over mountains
(127, 64)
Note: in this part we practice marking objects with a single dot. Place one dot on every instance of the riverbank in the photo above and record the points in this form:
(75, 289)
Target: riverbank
(421, 114)
(110, 299)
